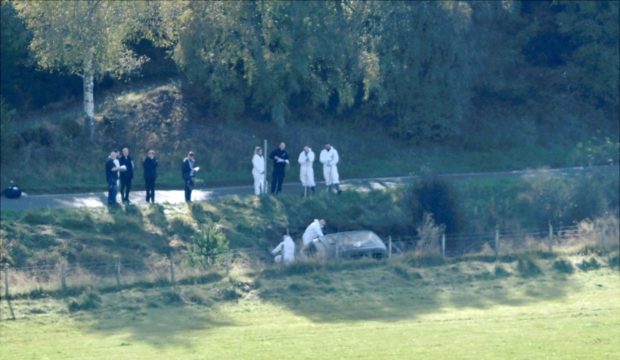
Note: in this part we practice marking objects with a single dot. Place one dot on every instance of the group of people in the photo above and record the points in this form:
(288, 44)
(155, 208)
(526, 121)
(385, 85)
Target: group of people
(120, 169)
(285, 251)
(328, 157)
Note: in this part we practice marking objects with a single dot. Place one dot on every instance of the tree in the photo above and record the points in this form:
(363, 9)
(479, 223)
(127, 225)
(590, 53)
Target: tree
(87, 38)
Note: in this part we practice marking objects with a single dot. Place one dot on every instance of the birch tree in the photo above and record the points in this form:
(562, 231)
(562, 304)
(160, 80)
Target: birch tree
(87, 38)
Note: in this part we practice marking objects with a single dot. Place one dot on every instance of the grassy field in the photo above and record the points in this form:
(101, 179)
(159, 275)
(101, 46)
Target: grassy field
(460, 310)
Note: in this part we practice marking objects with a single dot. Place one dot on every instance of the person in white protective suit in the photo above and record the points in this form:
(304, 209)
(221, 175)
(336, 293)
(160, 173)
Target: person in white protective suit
(306, 172)
(329, 158)
(258, 171)
(285, 251)
(313, 233)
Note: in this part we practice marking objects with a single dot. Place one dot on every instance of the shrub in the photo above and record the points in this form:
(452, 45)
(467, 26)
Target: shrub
(88, 300)
(171, 297)
(500, 272)
(206, 246)
(563, 266)
(528, 268)
(437, 197)
(229, 294)
(587, 265)
(614, 261)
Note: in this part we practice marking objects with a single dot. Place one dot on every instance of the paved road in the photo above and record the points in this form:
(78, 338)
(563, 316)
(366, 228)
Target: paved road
(99, 199)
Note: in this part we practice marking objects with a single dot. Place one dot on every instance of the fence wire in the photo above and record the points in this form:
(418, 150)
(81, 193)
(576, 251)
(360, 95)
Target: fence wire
(60, 276)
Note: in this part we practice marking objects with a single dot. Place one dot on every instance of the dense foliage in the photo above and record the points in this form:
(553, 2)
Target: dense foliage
(425, 71)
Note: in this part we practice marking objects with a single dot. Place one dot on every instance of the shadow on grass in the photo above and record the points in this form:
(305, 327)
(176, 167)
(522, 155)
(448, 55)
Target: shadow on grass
(381, 291)
(161, 327)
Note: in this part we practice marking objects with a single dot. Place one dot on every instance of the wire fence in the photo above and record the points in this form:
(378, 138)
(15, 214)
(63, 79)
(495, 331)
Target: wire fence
(171, 270)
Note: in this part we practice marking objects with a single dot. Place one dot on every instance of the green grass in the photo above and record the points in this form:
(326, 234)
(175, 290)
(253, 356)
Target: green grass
(367, 312)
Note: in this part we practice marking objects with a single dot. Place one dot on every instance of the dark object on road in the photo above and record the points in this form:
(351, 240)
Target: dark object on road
(351, 245)
(13, 191)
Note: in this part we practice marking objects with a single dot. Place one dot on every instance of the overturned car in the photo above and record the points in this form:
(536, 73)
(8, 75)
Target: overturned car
(350, 245)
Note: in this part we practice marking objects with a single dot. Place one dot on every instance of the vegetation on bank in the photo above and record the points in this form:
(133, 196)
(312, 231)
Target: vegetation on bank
(474, 206)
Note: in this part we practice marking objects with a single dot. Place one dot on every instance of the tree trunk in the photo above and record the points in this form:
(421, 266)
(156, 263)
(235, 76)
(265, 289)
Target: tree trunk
(89, 98)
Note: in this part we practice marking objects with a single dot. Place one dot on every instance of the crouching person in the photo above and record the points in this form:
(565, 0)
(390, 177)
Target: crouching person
(313, 233)
(285, 251)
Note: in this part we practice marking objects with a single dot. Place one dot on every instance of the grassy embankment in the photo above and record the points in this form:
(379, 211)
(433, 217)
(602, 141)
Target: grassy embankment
(142, 234)
(522, 305)
(58, 159)
(560, 308)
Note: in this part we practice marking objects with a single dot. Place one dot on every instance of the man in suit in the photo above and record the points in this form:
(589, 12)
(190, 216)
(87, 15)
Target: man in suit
(280, 160)
(150, 175)
(126, 175)
(189, 171)
(111, 175)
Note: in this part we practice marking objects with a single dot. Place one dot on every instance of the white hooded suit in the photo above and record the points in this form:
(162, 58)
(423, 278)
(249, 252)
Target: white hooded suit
(306, 171)
(330, 159)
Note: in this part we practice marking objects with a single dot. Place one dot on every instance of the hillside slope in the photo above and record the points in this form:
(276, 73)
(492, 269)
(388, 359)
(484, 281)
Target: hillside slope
(156, 116)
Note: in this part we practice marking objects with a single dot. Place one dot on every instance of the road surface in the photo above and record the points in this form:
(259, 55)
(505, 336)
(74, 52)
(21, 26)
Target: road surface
(99, 199)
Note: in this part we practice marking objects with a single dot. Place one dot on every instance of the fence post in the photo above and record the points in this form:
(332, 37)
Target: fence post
(118, 274)
(7, 294)
(496, 242)
(63, 276)
(171, 269)
(390, 247)
(443, 245)
(266, 162)
(550, 237)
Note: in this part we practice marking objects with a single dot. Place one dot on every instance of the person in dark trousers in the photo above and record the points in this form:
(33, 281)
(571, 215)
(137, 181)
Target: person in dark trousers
(189, 171)
(111, 176)
(13, 191)
(126, 174)
(150, 175)
(280, 160)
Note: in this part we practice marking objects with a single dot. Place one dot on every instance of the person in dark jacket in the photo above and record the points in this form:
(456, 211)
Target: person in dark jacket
(189, 171)
(280, 160)
(150, 175)
(13, 191)
(111, 176)
(127, 167)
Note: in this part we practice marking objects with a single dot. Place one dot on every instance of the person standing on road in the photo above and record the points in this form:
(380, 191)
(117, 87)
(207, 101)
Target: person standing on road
(286, 251)
(150, 175)
(126, 174)
(280, 160)
(189, 171)
(258, 171)
(111, 175)
(329, 158)
(314, 232)
(306, 171)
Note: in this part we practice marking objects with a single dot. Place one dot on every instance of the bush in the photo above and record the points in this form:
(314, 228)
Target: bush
(528, 268)
(88, 300)
(614, 261)
(437, 197)
(500, 272)
(206, 247)
(587, 265)
(171, 297)
(229, 294)
(563, 266)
